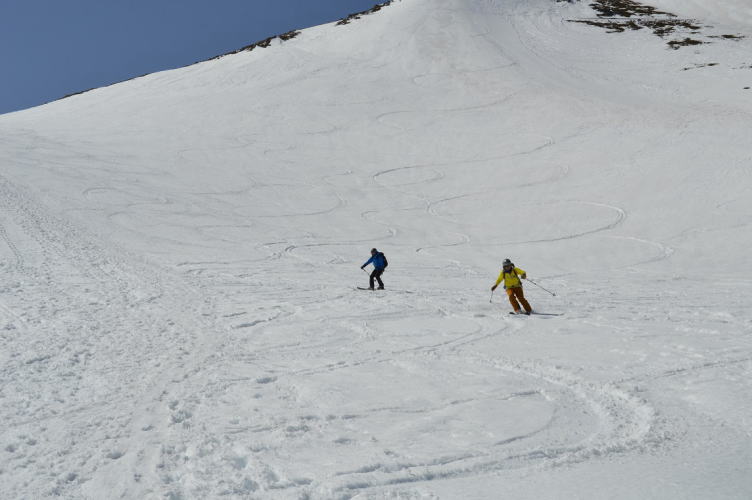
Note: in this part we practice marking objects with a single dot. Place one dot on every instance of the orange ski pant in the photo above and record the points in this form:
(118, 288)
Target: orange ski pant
(516, 294)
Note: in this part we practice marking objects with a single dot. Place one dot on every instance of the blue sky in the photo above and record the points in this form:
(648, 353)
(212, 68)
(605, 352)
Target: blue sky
(50, 48)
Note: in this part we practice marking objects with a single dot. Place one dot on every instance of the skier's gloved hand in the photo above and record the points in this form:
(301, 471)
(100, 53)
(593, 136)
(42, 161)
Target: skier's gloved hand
(524, 276)
(493, 288)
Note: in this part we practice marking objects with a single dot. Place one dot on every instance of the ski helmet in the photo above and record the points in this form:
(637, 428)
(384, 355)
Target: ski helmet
(507, 263)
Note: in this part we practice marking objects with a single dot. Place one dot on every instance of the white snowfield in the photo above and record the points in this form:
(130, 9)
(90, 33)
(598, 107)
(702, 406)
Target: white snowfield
(727, 12)
(179, 255)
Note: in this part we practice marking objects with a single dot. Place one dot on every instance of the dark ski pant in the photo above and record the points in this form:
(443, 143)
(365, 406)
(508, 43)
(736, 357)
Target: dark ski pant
(376, 275)
(516, 294)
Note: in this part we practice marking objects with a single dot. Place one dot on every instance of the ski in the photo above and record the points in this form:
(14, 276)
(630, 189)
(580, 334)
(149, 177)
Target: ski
(534, 313)
(392, 290)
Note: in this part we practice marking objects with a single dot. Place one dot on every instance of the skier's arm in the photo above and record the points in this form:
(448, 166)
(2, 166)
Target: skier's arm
(520, 272)
(501, 277)
(367, 262)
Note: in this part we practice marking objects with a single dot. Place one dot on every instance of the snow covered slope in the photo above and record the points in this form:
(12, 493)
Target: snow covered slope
(178, 317)
(727, 12)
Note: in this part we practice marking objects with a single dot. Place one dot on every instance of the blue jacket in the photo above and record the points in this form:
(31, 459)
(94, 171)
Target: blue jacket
(378, 260)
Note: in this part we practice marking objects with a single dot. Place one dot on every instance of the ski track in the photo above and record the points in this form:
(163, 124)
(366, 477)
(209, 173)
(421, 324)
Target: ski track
(17, 255)
(624, 425)
(127, 292)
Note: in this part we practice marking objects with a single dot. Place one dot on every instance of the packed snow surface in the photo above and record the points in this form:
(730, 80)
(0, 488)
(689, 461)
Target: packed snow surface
(180, 253)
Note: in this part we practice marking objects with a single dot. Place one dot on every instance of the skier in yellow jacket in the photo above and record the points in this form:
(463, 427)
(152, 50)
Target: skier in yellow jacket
(512, 278)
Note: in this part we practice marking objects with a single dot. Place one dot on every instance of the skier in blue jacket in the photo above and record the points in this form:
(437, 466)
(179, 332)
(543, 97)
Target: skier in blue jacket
(379, 265)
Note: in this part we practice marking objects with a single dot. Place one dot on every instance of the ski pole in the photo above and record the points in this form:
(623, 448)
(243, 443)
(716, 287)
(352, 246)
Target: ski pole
(536, 284)
(491, 299)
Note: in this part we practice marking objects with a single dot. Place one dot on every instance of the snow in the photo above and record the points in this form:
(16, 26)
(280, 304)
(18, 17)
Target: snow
(728, 12)
(178, 313)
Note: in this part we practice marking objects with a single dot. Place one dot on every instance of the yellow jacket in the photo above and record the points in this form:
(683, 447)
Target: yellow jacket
(512, 279)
